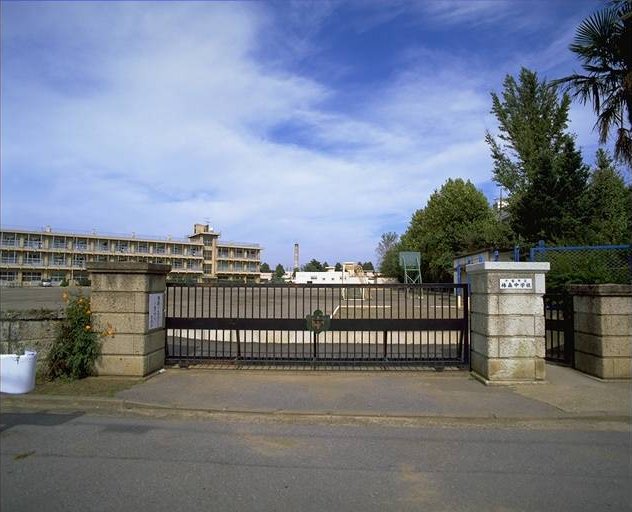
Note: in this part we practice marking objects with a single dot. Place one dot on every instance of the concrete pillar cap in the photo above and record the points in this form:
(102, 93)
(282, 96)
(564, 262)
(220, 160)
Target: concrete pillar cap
(509, 266)
(126, 267)
(601, 290)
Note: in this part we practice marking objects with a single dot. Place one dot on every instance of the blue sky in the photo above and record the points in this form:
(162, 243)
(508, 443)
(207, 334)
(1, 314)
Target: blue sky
(323, 123)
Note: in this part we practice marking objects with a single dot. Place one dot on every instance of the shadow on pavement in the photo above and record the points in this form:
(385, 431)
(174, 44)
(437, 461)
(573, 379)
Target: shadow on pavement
(40, 419)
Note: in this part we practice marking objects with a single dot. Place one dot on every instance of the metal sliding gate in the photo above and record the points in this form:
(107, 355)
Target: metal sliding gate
(331, 324)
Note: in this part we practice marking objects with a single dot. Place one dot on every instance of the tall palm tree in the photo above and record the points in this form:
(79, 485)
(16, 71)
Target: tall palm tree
(603, 43)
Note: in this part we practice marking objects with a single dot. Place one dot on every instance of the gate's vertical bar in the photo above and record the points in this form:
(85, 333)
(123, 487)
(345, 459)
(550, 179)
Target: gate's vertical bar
(267, 352)
(195, 314)
(407, 291)
(317, 306)
(217, 316)
(274, 316)
(466, 326)
(313, 342)
(225, 315)
(429, 315)
(296, 315)
(293, 345)
(202, 315)
(189, 316)
(237, 324)
(208, 331)
(569, 330)
(332, 338)
(457, 294)
(434, 315)
(259, 333)
(442, 291)
(180, 330)
(384, 342)
(167, 302)
(559, 350)
(231, 316)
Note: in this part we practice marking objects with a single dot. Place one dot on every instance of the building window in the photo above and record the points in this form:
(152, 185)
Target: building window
(78, 261)
(177, 264)
(33, 242)
(160, 249)
(9, 240)
(57, 277)
(9, 257)
(59, 242)
(81, 244)
(122, 246)
(8, 275)
(33, 258)
(176, 249)
(59, 260)
(103, 246)
(143, 247)
(31, 276)
(194, 251)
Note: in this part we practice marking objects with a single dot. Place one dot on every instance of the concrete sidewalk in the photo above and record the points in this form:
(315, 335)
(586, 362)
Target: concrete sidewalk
(567, 394)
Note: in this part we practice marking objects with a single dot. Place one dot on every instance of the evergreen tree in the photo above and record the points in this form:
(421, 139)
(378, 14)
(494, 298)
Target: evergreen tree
(608, 203)
(389, 266)
(279, 272)
(537, 162)
(313, 266)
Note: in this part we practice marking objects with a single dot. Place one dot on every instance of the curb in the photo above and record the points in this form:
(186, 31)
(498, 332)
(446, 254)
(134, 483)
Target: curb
(101, 405)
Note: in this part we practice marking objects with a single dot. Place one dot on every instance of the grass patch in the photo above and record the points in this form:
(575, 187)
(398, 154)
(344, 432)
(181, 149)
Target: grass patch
(90, 386)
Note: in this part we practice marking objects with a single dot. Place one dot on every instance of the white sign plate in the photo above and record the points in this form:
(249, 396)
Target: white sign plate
(156, 312)
(516, 283)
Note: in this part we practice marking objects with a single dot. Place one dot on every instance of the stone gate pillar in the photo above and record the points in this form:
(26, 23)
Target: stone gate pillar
(507, 321)
(603, 329)
(130, 297)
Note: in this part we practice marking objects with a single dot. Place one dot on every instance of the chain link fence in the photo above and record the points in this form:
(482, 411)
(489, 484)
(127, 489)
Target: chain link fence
(585, 264)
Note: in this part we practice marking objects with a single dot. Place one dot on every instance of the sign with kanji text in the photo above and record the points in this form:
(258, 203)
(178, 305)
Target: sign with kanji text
(516, 283)
(156, 310)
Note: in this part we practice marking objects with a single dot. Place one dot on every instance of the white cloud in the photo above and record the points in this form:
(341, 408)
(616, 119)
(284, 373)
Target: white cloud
(155, 116)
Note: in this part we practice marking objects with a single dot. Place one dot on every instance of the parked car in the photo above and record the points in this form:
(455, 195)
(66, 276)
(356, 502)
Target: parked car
(47, 283)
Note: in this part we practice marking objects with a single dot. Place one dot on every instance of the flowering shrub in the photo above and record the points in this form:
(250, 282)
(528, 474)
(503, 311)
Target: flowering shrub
(77, 342)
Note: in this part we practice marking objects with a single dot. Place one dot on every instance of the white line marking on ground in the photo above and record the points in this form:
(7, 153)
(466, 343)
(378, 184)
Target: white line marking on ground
(365, 307)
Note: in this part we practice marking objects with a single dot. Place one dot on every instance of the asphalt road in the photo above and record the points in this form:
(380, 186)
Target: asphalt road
(79, 462)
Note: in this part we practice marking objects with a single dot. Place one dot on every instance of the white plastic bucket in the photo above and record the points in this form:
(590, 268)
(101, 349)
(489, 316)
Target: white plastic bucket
(17, 373)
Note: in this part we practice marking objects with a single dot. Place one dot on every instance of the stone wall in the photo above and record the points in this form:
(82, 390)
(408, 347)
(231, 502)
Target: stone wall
(603, 330)
(29, 330)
